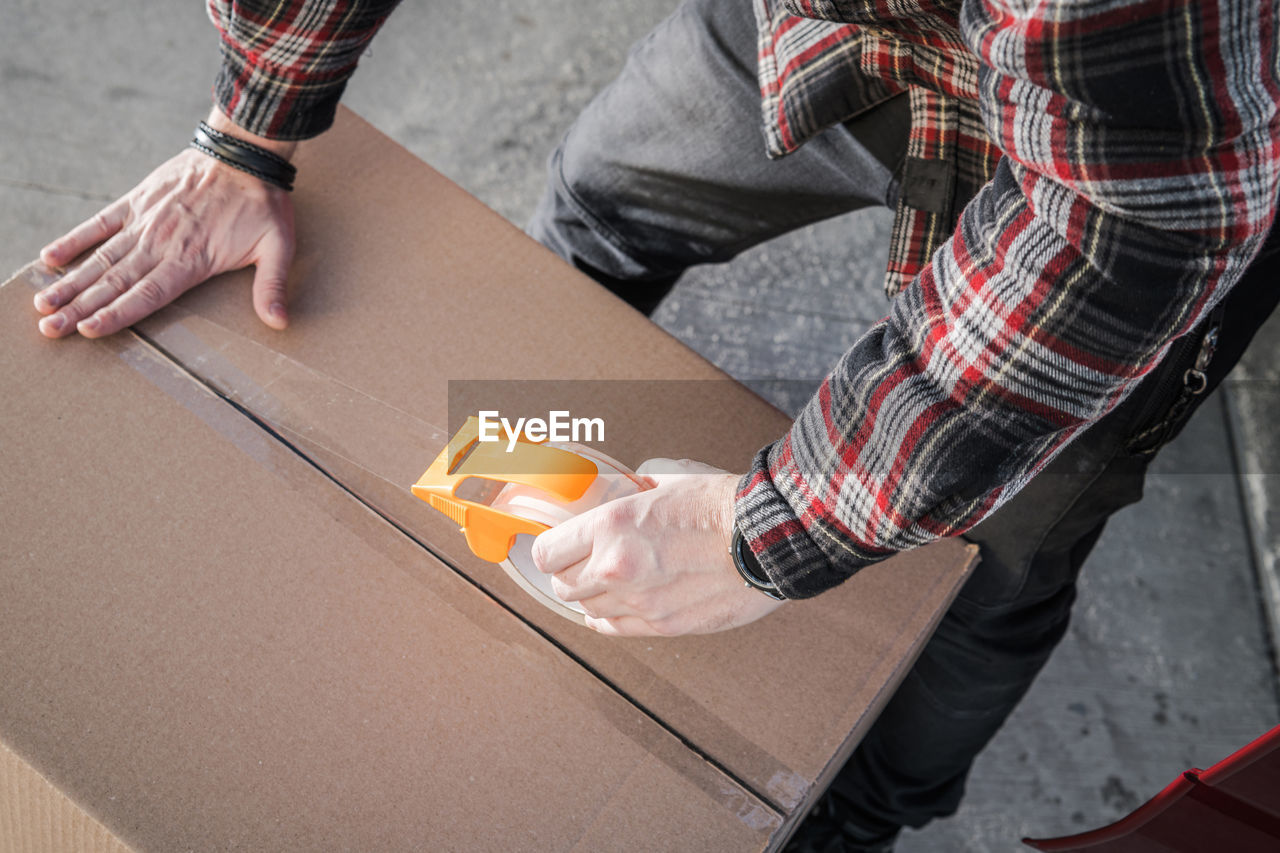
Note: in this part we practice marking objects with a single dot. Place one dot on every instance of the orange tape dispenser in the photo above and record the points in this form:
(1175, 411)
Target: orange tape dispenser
(501, 499)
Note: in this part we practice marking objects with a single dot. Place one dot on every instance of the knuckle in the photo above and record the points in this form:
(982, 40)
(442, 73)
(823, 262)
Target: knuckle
(189, 258)
(116, 281)
(667, 626)
(605, 571)
(192, 254)
(618, 565)
(75, 310)
(108, 319)
(560, 588)
(273, 290)
(101, 257)
(159, 229)
(611, 627)
(616, 515)
(644, 603)
(150, 293)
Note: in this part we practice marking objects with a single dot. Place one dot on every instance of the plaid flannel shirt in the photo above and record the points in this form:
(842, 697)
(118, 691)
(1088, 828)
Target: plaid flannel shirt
(1083, 182)
(285, 63)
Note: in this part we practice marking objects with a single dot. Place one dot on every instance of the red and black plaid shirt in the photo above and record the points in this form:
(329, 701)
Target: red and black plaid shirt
(285, 63)
(1083, 182)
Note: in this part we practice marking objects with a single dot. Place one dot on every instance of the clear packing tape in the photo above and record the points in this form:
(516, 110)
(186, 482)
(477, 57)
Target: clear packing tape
(386, 443)
(391, 445)
(293, 399)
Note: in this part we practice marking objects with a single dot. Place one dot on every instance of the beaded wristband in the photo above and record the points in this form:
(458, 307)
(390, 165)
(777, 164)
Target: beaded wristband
(245, 156)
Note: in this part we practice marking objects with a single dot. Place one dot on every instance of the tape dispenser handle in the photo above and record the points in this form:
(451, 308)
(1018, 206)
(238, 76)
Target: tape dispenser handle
(489, 532)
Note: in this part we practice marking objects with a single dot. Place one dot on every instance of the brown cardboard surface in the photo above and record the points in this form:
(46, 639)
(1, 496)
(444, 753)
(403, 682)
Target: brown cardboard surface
(259, 627)
(404, 283)
(35, 817)
(205, 643)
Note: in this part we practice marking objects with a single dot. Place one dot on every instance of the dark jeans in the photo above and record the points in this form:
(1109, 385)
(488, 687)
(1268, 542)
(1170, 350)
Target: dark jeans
(666, 169)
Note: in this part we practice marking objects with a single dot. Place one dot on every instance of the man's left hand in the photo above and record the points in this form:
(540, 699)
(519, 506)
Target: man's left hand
(656, 563)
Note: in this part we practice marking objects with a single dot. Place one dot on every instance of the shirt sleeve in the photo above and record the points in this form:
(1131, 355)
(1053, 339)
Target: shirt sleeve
(285, 64)
(1138, 180)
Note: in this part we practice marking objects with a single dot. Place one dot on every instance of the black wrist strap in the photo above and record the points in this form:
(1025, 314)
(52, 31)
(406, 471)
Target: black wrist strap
(245, 156)
(749, 567)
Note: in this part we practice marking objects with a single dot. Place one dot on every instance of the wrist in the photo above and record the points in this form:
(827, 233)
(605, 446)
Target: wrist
(268, 164)
(280, 147)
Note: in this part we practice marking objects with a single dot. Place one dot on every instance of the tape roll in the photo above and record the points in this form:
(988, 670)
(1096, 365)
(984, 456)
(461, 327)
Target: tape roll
(613, 480)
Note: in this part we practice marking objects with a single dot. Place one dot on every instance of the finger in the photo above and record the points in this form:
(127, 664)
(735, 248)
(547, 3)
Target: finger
(110, 286)
(154, 290)
(73, 283)
(93, 230)
(622, 626)
(565, 544)
(660, 468)
(607, 605)
(658, 463)
(573, 585)
(270, 273)
(565, 582)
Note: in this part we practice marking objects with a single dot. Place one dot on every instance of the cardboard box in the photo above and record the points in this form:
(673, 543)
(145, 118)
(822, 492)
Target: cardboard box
(225, 622)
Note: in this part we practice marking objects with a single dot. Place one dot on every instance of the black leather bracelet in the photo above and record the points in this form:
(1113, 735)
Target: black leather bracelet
(749, 567)
(245, 156)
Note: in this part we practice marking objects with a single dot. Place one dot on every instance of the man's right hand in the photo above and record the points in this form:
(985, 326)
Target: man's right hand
(190, 219)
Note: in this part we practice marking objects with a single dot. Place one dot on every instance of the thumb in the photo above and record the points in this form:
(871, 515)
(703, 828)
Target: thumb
(271, 270)
(661, 470)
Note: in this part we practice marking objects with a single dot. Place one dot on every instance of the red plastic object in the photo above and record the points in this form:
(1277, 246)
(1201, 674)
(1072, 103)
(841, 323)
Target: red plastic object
(1233, 806)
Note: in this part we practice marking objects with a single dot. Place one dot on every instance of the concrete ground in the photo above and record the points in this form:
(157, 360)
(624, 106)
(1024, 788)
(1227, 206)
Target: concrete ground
(1169, 663)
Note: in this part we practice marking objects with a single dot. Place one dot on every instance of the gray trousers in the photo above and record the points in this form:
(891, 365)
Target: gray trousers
(666, 169)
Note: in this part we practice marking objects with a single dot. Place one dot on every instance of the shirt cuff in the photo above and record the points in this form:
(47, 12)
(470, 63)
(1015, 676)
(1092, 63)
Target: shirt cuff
(772, 528)
(267, 103)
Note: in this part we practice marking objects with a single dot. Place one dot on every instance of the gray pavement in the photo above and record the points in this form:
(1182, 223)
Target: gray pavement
(1253, 403)
(1169, 662)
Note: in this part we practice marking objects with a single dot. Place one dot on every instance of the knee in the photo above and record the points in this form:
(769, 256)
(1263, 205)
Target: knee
(571, 220)
(561, 221)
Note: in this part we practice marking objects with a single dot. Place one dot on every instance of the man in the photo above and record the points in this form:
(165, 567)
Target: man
(1077, 187)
